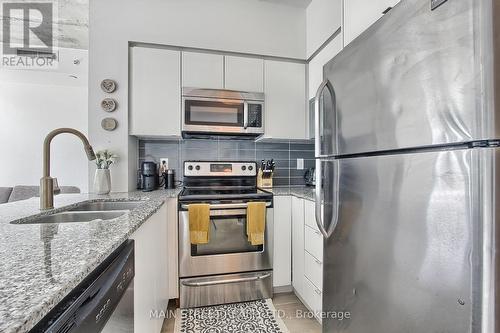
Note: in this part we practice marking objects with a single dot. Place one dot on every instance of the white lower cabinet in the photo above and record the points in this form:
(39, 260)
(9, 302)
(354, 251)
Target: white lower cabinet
(151, 271)
(307, 255)
(298, 245)
(313, 270)
(313, 242)
(282, 256)
(313, 297)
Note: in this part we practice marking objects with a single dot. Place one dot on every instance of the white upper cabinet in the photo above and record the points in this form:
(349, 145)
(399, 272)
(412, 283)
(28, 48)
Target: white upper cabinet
(323, 18)
(155, 92)
(244, 74)
(202, 70)
(316, 64)
(285, 106)
(361, 14)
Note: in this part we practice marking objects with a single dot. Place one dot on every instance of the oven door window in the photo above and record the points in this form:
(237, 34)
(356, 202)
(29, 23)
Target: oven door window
(227, 235)
(213, 113)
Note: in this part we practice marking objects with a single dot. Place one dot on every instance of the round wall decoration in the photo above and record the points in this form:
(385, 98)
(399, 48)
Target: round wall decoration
(108, 104)
(108, 86)
(109, 124)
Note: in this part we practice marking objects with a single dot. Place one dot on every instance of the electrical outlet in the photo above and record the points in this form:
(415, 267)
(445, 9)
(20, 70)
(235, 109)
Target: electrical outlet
(300, 164)
(163, 165)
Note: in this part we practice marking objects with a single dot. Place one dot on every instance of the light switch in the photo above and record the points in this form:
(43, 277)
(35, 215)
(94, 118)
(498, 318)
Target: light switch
(300, 164)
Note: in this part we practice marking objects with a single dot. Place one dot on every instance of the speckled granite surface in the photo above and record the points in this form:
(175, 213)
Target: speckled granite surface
(304, 192)
(40, 264)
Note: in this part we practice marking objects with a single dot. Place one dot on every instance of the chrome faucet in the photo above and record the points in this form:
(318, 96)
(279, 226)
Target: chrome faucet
(47, 182)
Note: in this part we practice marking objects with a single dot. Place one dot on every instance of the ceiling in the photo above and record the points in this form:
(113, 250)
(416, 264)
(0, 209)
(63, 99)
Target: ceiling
(292, 3)
(72, 21)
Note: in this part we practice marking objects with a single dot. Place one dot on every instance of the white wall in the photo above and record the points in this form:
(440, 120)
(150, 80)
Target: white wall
(323, 18)
(31, 105)
(230, 25)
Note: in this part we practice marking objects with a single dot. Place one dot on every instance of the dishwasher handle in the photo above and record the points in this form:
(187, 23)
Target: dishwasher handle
(88, 307)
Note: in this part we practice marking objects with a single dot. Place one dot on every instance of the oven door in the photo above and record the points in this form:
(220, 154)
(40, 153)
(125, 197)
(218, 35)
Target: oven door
(228, 250)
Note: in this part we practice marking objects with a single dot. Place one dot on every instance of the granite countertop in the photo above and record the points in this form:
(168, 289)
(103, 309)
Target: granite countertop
(42, 263)
(303, 192)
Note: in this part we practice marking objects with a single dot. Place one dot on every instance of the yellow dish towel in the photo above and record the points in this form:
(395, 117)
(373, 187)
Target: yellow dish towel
(256, 222)
(199, 223)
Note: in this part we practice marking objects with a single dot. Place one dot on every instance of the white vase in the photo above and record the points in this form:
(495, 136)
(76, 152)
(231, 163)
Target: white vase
(102, 181)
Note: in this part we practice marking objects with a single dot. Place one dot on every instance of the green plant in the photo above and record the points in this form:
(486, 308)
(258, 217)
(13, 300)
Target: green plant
(104, 159)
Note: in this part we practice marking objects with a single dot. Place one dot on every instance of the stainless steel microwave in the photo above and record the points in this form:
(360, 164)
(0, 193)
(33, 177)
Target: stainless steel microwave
(212, 112)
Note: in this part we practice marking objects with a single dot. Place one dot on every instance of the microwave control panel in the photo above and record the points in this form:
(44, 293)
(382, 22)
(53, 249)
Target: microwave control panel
(254, 115)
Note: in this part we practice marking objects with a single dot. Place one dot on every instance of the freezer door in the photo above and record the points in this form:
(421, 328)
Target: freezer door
(417, 77)
(405, 255)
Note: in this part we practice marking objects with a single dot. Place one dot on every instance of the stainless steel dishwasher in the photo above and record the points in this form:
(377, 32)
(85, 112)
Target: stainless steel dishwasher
(103, 302)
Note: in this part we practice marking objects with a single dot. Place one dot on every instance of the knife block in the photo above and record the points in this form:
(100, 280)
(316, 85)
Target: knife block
(265, 179)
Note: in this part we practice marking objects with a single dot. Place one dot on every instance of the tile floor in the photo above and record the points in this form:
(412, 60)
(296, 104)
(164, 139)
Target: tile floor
(287, 305)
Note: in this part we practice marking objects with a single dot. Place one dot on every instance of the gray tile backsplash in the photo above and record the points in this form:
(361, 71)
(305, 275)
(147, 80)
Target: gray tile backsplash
(285, 154)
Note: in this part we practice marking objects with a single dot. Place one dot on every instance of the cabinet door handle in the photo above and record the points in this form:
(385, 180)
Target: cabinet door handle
(317, 261)
(317, 291)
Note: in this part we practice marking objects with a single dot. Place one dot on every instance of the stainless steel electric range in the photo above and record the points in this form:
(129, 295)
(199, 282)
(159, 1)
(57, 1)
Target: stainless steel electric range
(228, 268)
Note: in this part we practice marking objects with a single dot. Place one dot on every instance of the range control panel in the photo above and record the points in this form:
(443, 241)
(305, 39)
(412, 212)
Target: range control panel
(211, 169)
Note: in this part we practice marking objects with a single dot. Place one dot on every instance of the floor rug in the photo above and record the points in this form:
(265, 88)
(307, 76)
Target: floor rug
(255, 317)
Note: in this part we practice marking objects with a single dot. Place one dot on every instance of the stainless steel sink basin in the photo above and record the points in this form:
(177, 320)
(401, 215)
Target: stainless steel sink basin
(106, 206)
(69, 217)
(86, 212)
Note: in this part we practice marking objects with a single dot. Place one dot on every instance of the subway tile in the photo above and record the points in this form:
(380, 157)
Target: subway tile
(198, 154)
(199, 144)
(297, 181)
(272, 146)
(309, 163)
(178, 151)
(236, 144)
(276, 155)
(294, 154)
(297, 173)
(301, 146)
(236, 155)
(281, 181)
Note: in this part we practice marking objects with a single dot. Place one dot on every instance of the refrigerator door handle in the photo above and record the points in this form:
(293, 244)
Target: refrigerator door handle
(317, 121)
(318, 199)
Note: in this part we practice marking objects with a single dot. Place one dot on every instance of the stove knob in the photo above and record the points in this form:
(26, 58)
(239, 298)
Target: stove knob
(250, 167)
(190, 167)
(243, 167)
(198, 168)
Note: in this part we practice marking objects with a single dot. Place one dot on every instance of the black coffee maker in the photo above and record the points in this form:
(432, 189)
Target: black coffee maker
(148, 177)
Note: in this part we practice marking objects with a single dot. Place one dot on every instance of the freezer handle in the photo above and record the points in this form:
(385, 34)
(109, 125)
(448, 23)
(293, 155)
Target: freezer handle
(318, 198)
(317, 115)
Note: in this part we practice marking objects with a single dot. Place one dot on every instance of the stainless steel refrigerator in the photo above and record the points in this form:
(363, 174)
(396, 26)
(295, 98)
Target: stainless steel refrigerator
(408, 167)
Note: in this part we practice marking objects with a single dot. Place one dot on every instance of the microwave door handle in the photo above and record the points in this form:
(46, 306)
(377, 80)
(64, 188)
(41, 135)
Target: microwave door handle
(245, 115)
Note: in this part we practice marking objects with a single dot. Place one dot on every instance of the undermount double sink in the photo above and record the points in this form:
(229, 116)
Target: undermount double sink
(86, 212)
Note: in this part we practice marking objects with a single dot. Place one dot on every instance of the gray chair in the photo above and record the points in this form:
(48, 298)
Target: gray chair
(23, 192)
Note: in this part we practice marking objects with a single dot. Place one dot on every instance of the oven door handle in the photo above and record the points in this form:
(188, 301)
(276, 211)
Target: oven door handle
(228, 281)
(226, 206)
